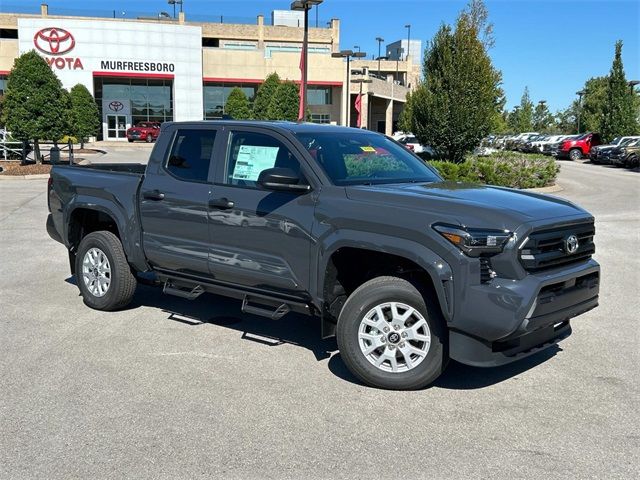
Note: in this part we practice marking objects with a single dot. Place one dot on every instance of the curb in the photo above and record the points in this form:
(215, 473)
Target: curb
(550, 189)
(37, 176)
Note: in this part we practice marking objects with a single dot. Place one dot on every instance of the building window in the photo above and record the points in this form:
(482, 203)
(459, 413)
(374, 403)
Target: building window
(210, 42)
(3, 84)
(321, 118)
(11, 33)
(318, 95)
(216, 94)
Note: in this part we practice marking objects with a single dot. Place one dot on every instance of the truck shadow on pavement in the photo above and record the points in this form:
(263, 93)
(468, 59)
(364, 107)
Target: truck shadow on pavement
(304, 332)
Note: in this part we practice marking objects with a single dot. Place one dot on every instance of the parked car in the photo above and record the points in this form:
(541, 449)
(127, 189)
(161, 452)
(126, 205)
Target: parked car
(575, 149)
(600, 153)
(406, 269)
(625, 155)
(144, 131)
(552, 147)
(412, 143)
(538, 145)
(519, 140)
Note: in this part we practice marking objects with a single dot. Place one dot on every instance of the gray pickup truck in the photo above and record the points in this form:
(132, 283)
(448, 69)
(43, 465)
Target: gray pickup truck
(405, 269)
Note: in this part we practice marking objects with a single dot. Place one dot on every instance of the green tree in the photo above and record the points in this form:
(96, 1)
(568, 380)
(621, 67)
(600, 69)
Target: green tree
(525, 113)
(593, 102)
(264, 95)
(35, 104)
(237, 106)
(620, 117)
(460, 97)
(542, 118)
(285, 103)
(513, 121)
(84, 118)
(566, 120)
(406, 115)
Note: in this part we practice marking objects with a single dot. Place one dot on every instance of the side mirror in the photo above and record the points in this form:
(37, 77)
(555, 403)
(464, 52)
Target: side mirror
(281, 179)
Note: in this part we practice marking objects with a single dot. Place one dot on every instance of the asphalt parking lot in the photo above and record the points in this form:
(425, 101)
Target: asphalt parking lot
(176, 389)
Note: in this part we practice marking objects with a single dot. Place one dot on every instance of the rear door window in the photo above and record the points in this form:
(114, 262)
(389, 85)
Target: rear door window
(191, 154)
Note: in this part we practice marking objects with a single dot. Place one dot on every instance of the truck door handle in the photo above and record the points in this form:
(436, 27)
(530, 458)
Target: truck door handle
(153, 195)
(221, 203)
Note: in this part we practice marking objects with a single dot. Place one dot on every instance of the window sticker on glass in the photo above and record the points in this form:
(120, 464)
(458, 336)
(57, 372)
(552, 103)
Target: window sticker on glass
(252, 160)
(368, 149)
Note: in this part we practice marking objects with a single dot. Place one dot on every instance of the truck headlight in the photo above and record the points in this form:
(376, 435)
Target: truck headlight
(474, 241)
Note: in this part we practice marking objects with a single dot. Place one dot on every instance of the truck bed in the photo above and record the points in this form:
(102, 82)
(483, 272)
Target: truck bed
(137, 168)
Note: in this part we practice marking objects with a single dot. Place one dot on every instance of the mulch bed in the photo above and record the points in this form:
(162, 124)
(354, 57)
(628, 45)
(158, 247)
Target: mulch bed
(14, 168)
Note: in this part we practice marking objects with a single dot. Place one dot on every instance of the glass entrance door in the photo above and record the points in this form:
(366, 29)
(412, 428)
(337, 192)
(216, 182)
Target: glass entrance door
(116, 127)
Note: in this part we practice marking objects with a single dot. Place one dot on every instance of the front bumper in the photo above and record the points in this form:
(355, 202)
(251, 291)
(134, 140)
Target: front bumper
(507, 320)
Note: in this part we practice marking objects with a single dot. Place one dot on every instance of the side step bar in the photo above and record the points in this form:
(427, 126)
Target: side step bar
(272, 312)
(189, 294)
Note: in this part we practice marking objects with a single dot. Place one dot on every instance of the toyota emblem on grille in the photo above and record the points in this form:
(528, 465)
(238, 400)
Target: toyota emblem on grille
(571, 244)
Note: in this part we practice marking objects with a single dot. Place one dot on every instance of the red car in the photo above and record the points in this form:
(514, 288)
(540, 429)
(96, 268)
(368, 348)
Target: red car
(577, 148)
(145, 131)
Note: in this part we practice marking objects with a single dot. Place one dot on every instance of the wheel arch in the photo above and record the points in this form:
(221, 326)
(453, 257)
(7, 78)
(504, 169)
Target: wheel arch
(412, 259)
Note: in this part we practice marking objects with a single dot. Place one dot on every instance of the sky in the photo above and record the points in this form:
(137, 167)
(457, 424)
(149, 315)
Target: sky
(551, 46)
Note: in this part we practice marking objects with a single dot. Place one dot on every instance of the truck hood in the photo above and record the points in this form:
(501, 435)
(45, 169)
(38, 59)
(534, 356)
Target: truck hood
(472, 205)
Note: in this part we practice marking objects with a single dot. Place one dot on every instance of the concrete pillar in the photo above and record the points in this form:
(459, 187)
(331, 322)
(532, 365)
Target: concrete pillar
(335, 35)
(44, 9)
(388, 119)
(260, 32)
(181, 17)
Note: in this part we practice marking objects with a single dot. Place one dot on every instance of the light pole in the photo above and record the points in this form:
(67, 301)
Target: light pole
(633, 83)
(379, 40)
(356, 46)
(174, 3)
(348, 54)
(304, 5)
(408, 27)
(580, 93)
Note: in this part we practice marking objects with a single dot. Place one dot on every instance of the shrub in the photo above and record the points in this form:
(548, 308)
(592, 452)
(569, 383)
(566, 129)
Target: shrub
(505, 169)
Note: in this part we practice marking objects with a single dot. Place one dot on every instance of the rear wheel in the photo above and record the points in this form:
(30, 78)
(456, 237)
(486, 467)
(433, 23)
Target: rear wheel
(102, 272)
(575, 154)
(390, 336)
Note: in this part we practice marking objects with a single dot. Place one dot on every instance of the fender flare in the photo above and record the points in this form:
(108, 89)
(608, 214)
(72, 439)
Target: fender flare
(436, 267)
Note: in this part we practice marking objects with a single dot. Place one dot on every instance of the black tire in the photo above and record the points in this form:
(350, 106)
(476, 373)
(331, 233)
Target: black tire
(149, 138)
(378, 291)
(130, 140)
(575, 154)
(123, 282)
(632, 161)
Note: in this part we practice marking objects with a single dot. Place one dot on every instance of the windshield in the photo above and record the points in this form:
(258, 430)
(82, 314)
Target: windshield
(364, 159)
(628, 141)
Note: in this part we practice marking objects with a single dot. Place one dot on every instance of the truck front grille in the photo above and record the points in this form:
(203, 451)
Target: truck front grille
(548, 248)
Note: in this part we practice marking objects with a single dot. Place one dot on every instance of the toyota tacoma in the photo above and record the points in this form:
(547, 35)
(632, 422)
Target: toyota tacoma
(405, 269)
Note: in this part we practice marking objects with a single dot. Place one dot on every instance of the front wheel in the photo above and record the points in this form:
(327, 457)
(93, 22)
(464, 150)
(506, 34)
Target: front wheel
(390, 336)
(102, 272)
(575, 154)
(149, 138)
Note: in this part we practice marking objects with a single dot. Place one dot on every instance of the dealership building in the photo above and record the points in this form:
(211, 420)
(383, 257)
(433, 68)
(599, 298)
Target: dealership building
(162, 69)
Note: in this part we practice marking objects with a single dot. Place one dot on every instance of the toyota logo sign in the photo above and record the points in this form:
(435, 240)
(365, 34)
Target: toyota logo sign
(116, 106)
(54, 41)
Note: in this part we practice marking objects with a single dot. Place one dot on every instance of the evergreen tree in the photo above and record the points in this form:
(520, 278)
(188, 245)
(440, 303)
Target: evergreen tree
(620, 117)
(237, 106)
(542, 118)
(285, 103)
(84, 115)
(35, 104)
(406, 115)
(593, 102)
(457, 104)
(265, 93)
(525, 114)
